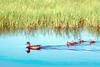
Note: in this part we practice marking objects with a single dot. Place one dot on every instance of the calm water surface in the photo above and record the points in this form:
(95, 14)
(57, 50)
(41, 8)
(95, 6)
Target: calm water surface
(13, 52)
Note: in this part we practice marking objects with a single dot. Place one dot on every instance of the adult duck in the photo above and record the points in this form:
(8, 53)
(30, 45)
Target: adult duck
(33, 47)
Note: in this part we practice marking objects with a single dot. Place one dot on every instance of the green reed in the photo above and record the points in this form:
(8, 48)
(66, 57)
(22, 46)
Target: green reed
(59, 14)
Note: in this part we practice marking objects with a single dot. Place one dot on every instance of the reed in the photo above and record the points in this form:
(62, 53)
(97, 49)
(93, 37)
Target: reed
(58, 14)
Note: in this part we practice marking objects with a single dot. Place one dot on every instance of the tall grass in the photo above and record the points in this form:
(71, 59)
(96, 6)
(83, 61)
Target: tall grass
(49, 13)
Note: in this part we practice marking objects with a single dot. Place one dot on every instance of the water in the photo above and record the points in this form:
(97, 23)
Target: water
(13, 52)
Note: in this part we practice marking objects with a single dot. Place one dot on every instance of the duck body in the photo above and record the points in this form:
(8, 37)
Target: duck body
(81, 41)
(91, 41)
(71, 43)
(33, 47)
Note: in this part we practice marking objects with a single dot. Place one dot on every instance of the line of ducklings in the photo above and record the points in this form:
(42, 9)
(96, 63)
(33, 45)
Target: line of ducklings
(73, 43)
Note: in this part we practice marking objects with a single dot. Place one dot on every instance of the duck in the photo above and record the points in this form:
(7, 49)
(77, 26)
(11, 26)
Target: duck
(71, 43)
(81, 41)
(91, 42)
(33, 47)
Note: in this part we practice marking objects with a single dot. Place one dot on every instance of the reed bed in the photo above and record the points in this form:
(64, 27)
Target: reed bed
(51, 14)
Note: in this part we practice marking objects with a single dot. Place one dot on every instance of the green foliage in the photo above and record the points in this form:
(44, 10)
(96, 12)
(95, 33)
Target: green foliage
(49, 11)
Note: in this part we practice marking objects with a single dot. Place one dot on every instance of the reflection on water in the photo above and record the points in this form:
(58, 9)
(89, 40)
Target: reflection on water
(75, 32)
(13, 51)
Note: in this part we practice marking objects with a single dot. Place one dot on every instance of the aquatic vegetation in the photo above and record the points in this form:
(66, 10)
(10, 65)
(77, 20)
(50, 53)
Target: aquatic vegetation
(52, 13)
(66, 15)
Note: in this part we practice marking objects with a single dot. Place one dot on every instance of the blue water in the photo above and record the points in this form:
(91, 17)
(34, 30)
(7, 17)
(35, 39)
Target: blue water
(13, 52)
